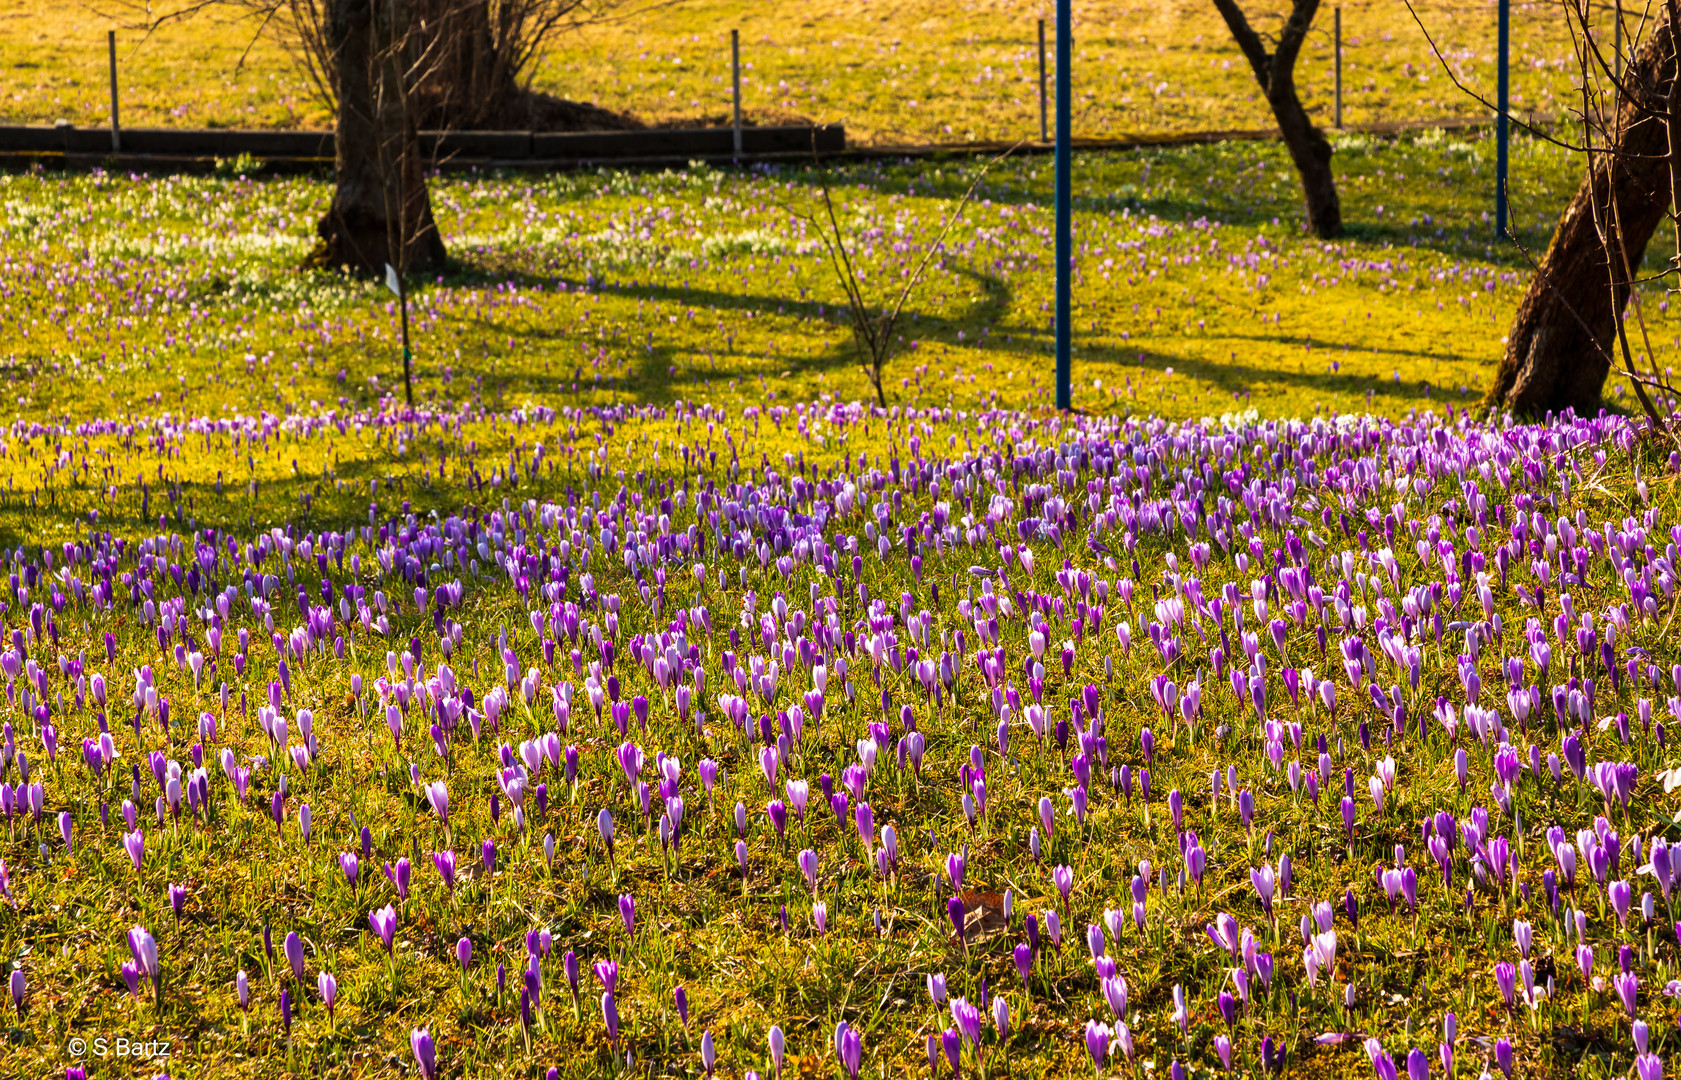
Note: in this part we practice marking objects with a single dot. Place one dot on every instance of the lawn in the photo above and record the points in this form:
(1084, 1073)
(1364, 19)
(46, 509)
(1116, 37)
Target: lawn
(1196, 293)
(911, 71)
(914, 691)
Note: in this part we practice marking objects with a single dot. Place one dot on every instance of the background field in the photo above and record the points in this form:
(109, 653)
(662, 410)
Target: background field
(1196, 293)
(906, 71)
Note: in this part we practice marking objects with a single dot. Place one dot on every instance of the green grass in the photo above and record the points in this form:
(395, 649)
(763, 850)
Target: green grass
(127, 299)
(1196, 293)
(909, 71)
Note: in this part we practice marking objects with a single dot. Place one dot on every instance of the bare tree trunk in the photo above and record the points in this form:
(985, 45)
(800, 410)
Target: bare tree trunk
(381, 212)
(471, 83)
(1311, 152)
(1559, 351)
(1276, 72)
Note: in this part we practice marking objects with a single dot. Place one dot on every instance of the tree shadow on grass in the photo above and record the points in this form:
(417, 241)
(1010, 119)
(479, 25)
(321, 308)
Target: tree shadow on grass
(663, 371)
(1235, 377)
(1236, 203)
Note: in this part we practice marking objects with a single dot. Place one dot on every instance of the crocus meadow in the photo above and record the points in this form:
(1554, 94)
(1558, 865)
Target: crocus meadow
(858, 741)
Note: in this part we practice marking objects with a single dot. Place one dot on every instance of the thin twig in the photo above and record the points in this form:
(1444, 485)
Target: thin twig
(874, 338)
(1466, 90)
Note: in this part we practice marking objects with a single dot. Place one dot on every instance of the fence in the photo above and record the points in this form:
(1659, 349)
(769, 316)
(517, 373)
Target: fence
(742, 143)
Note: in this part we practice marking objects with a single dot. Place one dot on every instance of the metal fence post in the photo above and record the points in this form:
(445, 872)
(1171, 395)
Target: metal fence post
(1337, 22)
(116, 129)
(735, 79)
(1502, 129)
(1064, 207)
(1044, 122)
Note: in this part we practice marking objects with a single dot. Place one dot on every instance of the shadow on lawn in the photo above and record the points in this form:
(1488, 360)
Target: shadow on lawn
(653, 378)
(1234, 377)
(1192, 197)
(403, 487)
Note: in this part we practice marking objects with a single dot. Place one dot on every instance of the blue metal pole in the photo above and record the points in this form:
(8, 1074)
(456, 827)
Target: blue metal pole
(1064, 212)
(1501, 127)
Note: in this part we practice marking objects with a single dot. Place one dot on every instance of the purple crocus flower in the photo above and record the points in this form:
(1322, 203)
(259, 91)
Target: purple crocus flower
(610, 1017)
(952, 1043)
(604, 826)
(956, 912)
(294, 949)
(131, 977)
(1095, 940)
(445, 863)
(144, 949)
(1115, 992)
(1263, 881)
(1505, 977)
(1097, 1043)
(607, 972)
(425, 1053)
(1622, 899)
(968, 1020)
(384, 923)
(1063, 878)
(1627, 985)
(398, 875)
(1196, 861)
(1382, 1064)
(135, 844)
(849, 1049)
(954, 872)
(437, 794)
(329, 988)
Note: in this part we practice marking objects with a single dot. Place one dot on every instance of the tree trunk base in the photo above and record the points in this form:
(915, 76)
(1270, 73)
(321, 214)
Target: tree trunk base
(357, 241)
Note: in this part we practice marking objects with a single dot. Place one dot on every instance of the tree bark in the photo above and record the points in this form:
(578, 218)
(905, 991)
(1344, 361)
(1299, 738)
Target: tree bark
(1561, 344)
(1276, 72)
(472, 84)
(381, 211)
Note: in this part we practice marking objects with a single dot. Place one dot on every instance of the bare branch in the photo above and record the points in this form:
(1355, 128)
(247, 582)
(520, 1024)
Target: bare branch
(1467, 91)
(874, 337)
